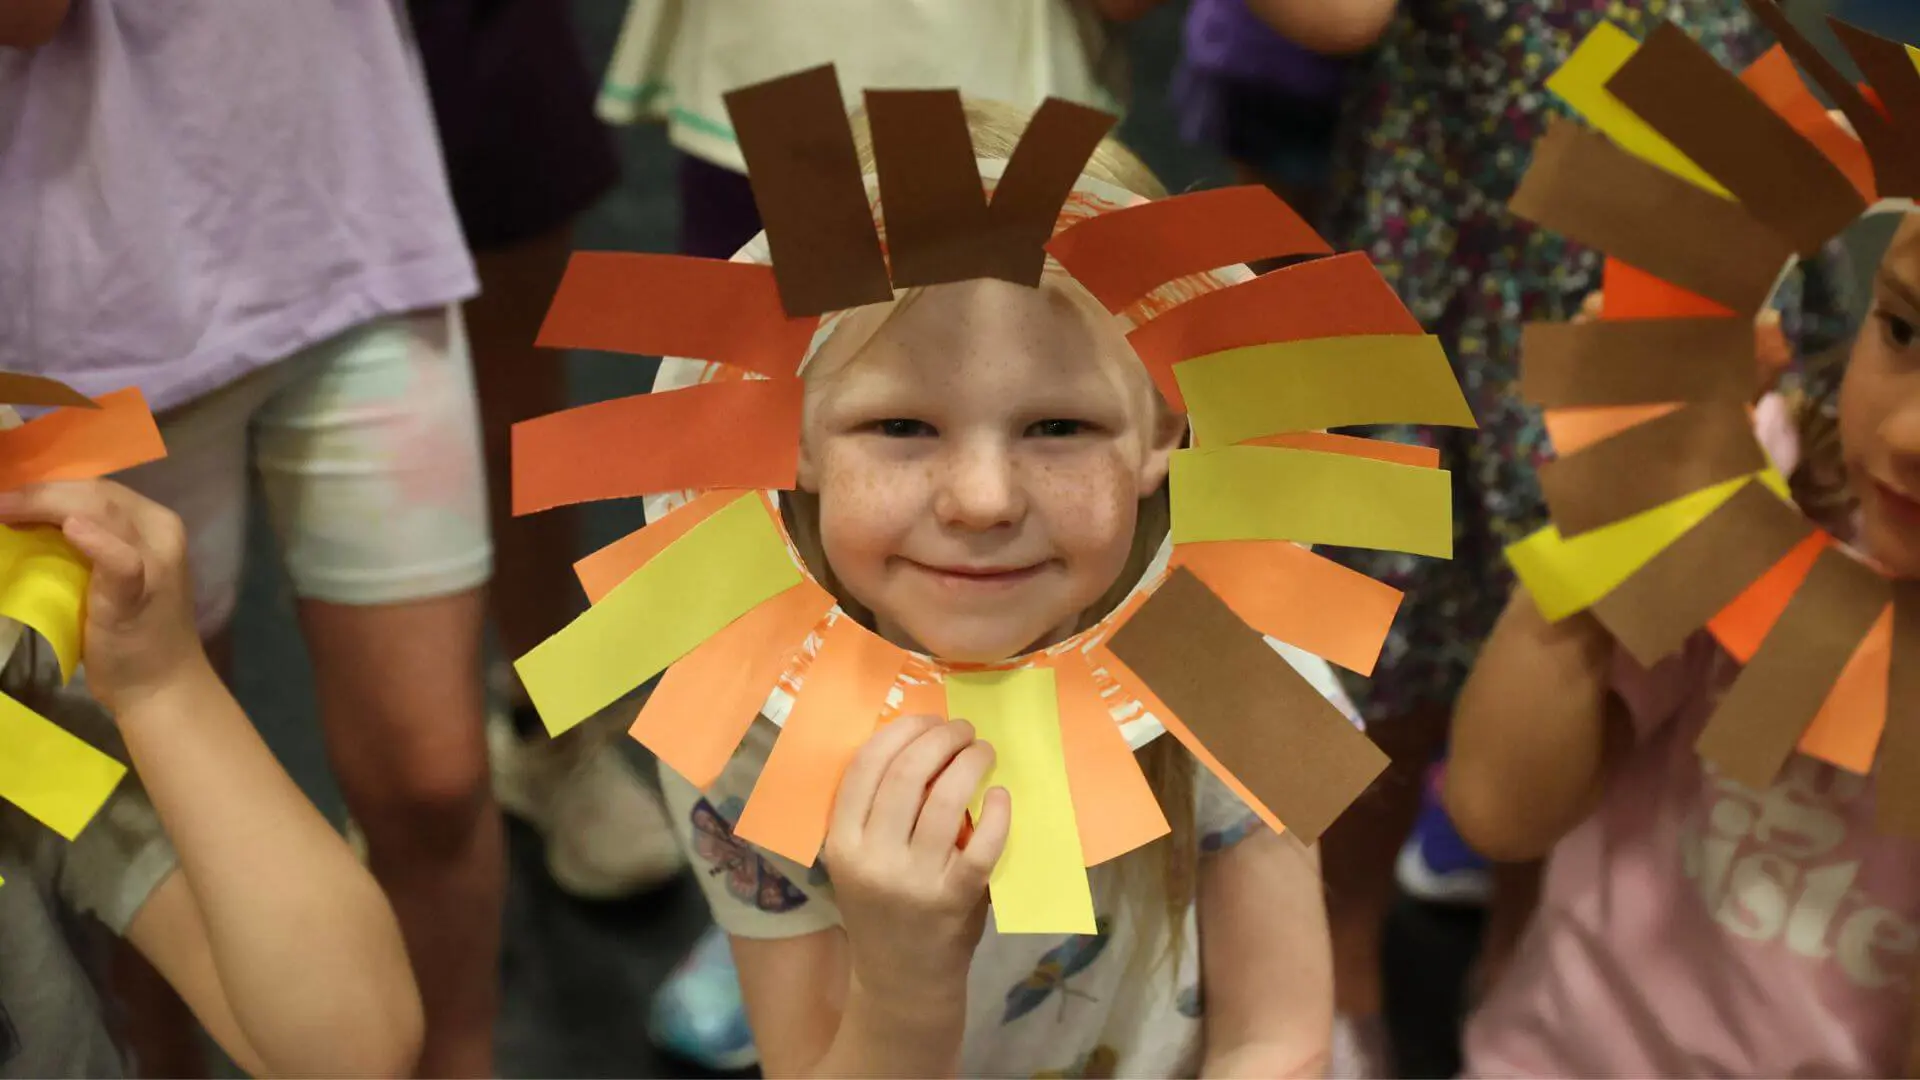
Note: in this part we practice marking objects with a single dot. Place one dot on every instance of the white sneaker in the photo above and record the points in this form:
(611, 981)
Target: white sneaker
(607, 833)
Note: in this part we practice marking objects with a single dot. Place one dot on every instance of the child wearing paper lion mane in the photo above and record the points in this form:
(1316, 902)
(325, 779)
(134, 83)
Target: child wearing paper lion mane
(206, 858)
(982, 473)
(1690, 925)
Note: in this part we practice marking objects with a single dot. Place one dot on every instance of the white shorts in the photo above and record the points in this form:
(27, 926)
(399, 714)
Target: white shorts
(367, 448)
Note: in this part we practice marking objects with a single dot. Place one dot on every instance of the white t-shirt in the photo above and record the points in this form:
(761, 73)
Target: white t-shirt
(676, 59)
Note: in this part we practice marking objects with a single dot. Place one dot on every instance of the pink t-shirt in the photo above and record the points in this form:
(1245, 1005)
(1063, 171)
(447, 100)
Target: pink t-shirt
(1694, 927)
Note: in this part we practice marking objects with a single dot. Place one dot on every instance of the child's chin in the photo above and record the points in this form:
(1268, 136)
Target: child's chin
(980, 645)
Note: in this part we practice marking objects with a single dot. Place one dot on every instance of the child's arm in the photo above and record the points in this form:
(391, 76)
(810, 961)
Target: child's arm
(1332, 27)
(1531, 733)
(25, 24)
(886, 995)
(272, 932)
(1266, 960)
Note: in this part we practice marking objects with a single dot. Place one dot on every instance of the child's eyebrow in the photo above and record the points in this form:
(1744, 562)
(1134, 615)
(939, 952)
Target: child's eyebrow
(1899, 288)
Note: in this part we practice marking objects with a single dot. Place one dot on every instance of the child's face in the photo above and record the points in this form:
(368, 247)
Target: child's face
(1880, 411)
(979, 464)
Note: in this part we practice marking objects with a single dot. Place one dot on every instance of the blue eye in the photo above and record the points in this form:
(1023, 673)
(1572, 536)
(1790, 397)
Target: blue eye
(905, 429)
(1058, 429)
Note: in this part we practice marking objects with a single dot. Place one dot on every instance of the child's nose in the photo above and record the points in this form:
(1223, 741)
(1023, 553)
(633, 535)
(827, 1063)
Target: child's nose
(980, 490)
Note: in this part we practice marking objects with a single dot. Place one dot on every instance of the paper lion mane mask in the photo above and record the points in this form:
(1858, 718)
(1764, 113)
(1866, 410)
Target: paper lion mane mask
(1701, 186)
(56, 778)
(714, 594)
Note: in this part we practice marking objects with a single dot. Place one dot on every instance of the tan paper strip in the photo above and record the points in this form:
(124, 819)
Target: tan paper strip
(1897, 791)
(1711, 116)
(1265, 723)
(1760, 719)
(1650, 464)
(1654, 612)
(1638, 361)
(1583, 186)
(806, 181)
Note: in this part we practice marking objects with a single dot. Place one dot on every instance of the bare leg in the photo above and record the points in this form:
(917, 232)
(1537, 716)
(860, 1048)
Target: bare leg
(518, 382)
(402, 704)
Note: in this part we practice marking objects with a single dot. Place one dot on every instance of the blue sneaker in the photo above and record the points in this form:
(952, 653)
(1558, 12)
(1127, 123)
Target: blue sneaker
(698, 1015)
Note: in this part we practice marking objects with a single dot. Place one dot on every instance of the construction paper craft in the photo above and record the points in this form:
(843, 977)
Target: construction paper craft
(1259, 718)
(1116, 808)
(1632, 293)
(1121, 256)
(1666, 601)
(1777, 83)
(1763, 715)
(20, 389)
(43, 585)
(1323, 382)
(1592, 191)
(726, 435)
(1258, 493)
(720, 570)
(805, 175)
(1889, 67)
(1571, 430)
(1683, 92)
(1039, 886)
(1744, 624)
(1897, 795)
(1324, 298)
(1582, 82)
(1288, 593)
(1631, 362)
(847, 688)
(115, 433)
(1847, 729)
(628, 302)
(59, 780)
(1651, 465)
(715, 592)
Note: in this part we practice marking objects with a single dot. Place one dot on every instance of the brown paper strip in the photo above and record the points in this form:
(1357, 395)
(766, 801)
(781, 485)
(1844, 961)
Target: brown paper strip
(930, 194)
(1050, 156)
(1760, 719)
(806, 181)
(1593, 192)
(1897, 786)
(1889, 68)
(1711, 116)
(1896, 161)
(1654, 612)
(17, 389)
(1638, 361)
(1650, 464)
(1265, 723)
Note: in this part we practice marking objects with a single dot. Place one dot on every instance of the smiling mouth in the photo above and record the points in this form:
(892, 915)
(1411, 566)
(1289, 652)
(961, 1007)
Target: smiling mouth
(979, 577)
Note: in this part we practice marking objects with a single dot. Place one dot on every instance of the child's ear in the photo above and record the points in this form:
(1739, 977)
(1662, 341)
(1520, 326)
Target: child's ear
(1169, 431)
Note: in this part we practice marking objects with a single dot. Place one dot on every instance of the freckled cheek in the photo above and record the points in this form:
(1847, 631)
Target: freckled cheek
(867, 507)
(1089, 506)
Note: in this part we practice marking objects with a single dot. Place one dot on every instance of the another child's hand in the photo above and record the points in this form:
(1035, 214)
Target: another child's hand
(140, 633)
(912, 899)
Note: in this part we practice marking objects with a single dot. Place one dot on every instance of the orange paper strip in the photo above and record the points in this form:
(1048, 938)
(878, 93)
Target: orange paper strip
(1742, 625)
(1846, 731)
(1777, 83)
(676, 305)
(1112, 803)
(1632, 293)
(1343, 295)
(1425, 457)
(1573, 430)
(722, 435)
(701, 709)
(81, 444)
(613, 564)
(834, 715)
(1287, 592)
(1124, 255)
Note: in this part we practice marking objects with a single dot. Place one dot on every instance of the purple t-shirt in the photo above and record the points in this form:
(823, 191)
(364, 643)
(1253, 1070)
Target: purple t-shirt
(193, 189)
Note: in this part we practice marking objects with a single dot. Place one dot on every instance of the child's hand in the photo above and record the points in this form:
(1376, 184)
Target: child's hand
(913, 900)
(140, 633)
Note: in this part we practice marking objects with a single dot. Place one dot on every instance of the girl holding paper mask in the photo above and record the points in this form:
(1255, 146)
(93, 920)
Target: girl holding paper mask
(1773, 931)
(982, 473)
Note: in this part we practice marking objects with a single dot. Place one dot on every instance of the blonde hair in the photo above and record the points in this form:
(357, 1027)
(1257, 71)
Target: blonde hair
(1160, 888)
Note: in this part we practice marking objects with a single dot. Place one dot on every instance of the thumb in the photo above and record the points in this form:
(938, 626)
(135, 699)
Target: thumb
(119, 573)
(989, 839)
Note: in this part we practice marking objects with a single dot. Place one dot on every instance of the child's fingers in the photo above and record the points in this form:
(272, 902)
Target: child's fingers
(864, 773)
(119, 569)
(938, 831)
(55, 503)
(989, 839)
(902, 792)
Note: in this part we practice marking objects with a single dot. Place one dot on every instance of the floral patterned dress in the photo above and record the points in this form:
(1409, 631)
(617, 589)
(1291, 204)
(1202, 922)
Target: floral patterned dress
(1439, 133)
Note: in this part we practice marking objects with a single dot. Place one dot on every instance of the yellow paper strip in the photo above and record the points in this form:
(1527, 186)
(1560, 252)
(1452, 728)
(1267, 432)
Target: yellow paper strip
(1568, 576)
(1582, 83)
(1244, 393)
(720, 570)
(43, 584)
(1266, 493)
(1040, 883)
(57, 778)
